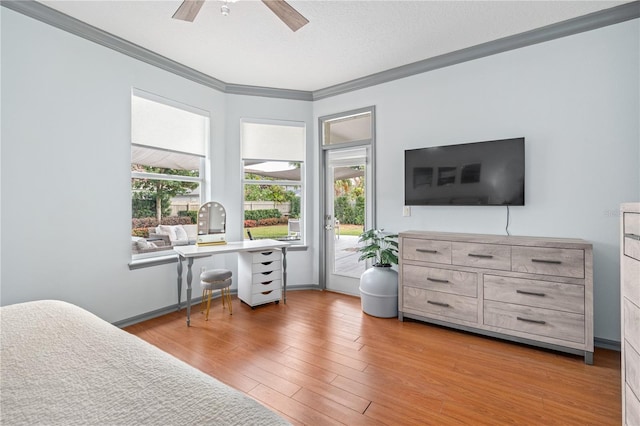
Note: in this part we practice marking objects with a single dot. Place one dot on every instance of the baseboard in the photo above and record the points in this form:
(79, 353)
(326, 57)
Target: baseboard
(613, 345)
(172, 308)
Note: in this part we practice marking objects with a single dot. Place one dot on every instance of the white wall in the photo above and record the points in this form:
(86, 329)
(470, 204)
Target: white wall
(66, 142)
(575, 100)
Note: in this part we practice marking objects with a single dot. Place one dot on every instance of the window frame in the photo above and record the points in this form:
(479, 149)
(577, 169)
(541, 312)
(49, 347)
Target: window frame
(279, 182)
(164, 256)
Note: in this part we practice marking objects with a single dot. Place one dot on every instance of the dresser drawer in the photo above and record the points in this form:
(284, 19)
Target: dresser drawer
(631, 223)
(541, 294)
(266, 297)
(444, 280)
(632, 408)
(548, 261)
(265, 256)
(437, 303)
(426, 250)
(631, 323)
(273, 265)
(490, 256)
(264, 277)
(632, 368)
(632, 246)
(631, 279)
(265, 286)
(537, 321)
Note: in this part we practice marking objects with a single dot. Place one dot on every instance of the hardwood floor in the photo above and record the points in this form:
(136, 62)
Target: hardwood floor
(319, 360)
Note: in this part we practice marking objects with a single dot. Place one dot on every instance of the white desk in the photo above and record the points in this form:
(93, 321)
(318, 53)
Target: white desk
(191, 252)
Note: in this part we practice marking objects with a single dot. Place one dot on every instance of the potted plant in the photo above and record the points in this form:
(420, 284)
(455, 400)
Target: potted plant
(379, 284)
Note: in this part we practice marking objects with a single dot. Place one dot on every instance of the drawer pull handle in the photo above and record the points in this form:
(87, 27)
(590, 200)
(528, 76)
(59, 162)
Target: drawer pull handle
(444, 305)
(267, 273)
(482, 256)
(530, 320)
(426, 251)
(530, 293)
(553, 262)
(266, 253)
(436, 280)
(267, 292)
(267, 263)
(266, 282)
(632, 236)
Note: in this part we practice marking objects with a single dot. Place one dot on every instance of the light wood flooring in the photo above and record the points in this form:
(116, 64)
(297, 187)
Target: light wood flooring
(320, 360)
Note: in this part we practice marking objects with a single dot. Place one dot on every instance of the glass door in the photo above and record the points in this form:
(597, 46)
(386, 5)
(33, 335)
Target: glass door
(346, 216)
(347, 195)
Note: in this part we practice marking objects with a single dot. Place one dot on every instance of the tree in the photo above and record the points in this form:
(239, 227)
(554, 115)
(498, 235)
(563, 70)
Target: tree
(159, 191)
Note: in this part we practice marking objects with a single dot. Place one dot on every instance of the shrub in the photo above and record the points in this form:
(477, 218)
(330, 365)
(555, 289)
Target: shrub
(140, 232)
(269, 221)
(250, 223)
(150, 222)
(261, 214)
(193, 214)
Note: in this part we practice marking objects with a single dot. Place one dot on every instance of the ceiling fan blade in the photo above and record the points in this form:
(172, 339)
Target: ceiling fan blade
(188, 10)
(287, 14)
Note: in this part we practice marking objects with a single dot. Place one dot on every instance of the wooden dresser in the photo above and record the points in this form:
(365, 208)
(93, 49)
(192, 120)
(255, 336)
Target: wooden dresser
(526, 289)
(630, 310)
(260, 276)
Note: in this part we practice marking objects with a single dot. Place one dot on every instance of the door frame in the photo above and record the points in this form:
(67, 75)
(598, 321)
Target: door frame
(323, 177)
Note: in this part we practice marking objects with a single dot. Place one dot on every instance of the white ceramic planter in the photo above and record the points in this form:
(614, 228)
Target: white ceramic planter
(379, 292)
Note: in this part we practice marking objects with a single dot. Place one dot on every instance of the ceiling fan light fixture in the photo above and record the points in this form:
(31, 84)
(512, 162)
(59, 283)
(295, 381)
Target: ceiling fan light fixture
(224, 9)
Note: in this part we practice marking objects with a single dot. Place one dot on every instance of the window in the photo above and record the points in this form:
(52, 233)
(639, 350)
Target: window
(273, 184)
(168, 157)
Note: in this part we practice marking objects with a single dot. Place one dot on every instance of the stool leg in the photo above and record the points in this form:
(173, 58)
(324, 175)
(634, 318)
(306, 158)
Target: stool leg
(222, 297)
(229, 300)
(202, 301)
(206, 317)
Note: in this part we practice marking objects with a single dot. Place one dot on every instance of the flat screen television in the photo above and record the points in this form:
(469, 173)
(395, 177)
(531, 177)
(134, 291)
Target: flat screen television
(487, 173)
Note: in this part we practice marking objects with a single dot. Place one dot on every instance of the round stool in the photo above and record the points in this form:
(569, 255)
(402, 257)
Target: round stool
(212, 280)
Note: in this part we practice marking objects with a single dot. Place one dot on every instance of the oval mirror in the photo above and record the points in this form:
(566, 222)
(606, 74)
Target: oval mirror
(212, 219)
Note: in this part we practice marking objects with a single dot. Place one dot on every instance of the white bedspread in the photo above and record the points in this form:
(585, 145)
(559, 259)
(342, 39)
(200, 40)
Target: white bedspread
(61, 365)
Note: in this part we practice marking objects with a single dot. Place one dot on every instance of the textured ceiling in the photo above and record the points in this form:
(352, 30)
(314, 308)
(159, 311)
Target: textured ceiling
(344, 40)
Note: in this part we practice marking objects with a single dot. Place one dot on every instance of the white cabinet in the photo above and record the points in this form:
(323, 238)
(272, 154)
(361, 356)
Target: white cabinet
(630, 311)
(527, 289)
(260, 276)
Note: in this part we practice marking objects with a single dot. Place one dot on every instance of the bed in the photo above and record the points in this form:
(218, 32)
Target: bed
(61, 365)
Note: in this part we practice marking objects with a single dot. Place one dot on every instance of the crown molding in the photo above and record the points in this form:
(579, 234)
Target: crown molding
(569, 27)
(589, 22)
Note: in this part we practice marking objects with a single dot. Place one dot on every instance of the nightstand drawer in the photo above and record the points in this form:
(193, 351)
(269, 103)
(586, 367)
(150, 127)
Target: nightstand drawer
(273, 265)
(548, 261)
(426, 250)
(490, 256)
(266, 256)
(265, 286)
(536, 321)
(266, 276)
(444, 280)
(266, 297)
(541, 294)
(447, 305)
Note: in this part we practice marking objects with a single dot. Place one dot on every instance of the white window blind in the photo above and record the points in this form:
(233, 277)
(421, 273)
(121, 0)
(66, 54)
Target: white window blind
(273, 142)
(165, 127)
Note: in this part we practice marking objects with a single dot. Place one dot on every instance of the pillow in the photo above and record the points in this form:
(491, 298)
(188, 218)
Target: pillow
(167, 230)
(181, 233)
(144, 245)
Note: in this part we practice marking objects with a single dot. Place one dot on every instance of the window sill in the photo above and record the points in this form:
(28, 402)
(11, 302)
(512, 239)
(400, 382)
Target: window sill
(147, 262)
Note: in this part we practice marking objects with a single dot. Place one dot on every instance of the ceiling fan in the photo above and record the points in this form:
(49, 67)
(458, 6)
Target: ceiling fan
(287, 14)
